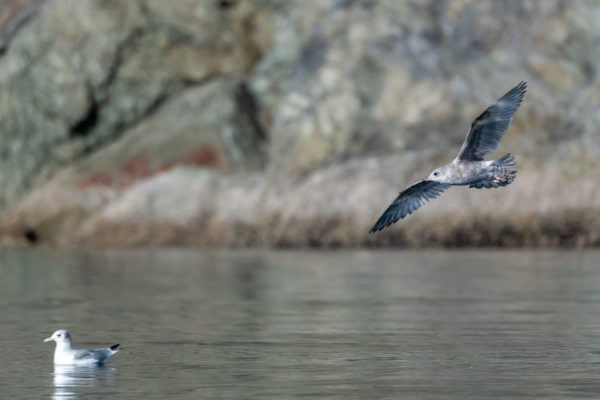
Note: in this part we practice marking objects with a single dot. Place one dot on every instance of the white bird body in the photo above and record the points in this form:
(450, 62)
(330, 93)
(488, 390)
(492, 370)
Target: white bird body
(65, 354)
(461, 172)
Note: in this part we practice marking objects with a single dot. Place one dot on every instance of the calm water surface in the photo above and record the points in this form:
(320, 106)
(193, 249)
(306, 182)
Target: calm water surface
(275, 325)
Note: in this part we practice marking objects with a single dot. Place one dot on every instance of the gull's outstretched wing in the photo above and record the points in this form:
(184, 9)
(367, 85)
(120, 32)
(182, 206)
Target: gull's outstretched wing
(487, 129)
(411, 198)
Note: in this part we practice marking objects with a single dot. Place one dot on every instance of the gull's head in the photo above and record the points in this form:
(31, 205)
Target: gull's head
(60, 336)
(438, 175)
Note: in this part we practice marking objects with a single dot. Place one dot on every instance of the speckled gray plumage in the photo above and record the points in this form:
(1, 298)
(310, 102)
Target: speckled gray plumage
(469, 167)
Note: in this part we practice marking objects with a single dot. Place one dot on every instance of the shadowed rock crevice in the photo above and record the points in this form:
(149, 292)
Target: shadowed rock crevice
(98, 96)
(251, 132)
(248, 107)
(89, 120)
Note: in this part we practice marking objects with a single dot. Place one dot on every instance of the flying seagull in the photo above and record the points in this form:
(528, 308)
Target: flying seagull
(469, 167)
(64, 354)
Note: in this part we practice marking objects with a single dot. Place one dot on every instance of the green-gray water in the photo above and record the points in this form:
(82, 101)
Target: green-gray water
(273, 325)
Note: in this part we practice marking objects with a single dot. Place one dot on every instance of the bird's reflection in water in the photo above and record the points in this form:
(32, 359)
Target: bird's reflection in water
(67, 378)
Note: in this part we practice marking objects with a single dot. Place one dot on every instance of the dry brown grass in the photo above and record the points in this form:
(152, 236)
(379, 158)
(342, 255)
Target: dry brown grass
(331, 208)
(569, 228)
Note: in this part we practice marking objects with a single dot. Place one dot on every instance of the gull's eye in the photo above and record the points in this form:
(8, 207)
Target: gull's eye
(436, 173)
(59, 335)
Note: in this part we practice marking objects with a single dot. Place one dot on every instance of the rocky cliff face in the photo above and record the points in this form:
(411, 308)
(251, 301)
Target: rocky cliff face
(291, 122)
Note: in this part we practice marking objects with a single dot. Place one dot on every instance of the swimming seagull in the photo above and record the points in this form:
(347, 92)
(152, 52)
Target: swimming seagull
(64, 354)
(469, 167)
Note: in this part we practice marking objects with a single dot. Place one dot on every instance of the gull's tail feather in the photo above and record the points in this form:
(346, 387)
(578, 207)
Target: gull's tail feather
(505, 161)
(501, 177)
(115, 347)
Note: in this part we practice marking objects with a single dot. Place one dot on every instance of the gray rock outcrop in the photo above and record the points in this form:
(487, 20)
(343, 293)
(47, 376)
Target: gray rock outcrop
(267, 122)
